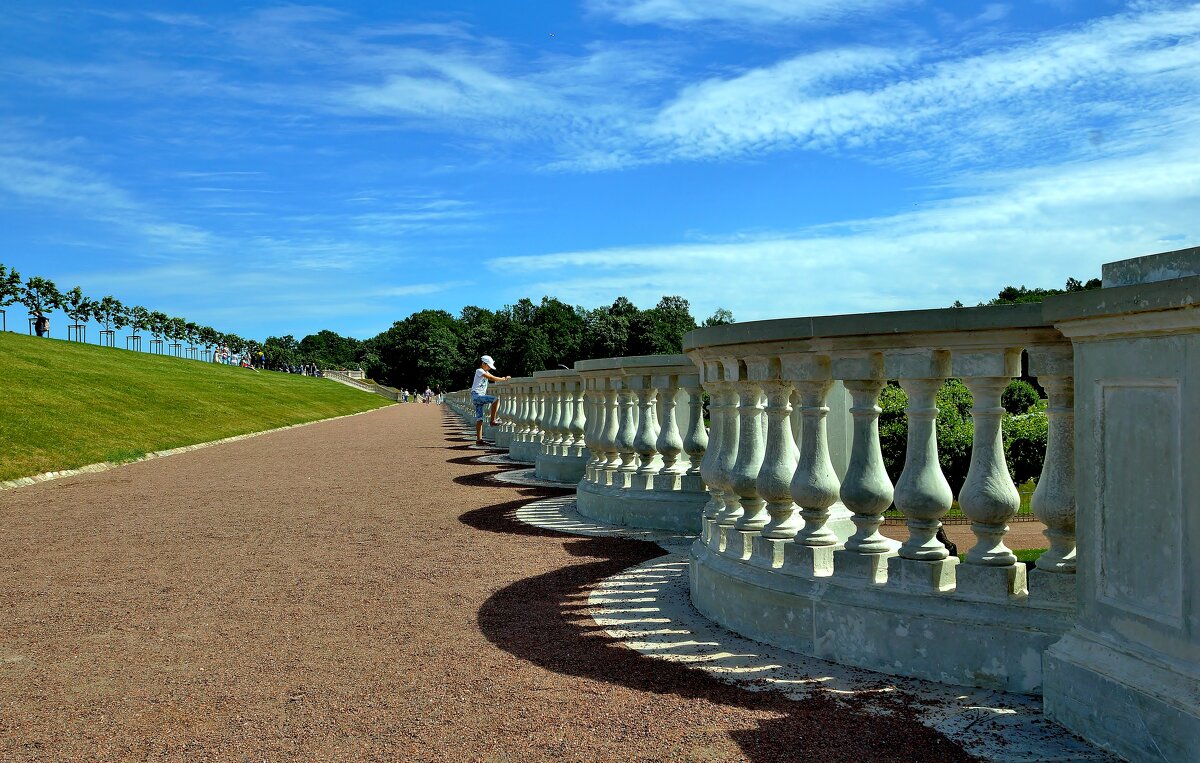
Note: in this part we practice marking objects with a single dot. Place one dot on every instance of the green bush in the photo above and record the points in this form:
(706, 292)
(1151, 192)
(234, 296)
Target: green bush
(1025, 443)
(1019, 397)
(1024, 433)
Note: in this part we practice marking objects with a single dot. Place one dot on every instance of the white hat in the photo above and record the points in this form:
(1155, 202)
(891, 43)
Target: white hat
(487, 360)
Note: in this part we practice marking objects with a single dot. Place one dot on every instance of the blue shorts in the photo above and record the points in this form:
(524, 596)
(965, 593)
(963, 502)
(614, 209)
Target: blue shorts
(480, 402)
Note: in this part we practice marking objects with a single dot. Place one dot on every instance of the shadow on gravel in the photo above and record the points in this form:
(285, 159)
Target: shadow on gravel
(545, 621)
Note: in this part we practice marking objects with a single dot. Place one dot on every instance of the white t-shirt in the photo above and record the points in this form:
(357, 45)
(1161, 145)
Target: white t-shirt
(479, 386)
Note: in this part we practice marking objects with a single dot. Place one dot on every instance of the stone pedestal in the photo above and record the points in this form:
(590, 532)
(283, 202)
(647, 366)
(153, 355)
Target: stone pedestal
(871, 569)
(921, 577)
(808, 561)
(973, 581)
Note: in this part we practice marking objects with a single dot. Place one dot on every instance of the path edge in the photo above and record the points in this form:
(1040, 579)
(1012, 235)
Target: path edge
(105, 466)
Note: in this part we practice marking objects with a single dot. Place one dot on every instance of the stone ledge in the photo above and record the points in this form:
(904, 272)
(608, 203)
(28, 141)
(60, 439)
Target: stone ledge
(937, 637)
(647, 509)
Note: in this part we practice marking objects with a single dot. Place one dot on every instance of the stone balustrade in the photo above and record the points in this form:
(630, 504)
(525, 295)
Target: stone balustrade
(520, 414)
(563, 454)
(644, 428)
(791, 550)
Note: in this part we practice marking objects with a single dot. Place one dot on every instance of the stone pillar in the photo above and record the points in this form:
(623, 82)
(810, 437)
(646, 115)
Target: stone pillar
(866, 489)
(593, 425)
(578, 419)
(775, 476)
(815, 485)
(922, 492)
(646, 438)
(989, 497)
(751, 515)
(670, 442)
(626, 436)
(709, 463)
(695, 442)
(612, 427)
(1054, 499)
(1126, 676)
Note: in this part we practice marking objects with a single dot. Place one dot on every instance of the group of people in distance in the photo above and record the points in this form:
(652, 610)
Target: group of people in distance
(428, 396)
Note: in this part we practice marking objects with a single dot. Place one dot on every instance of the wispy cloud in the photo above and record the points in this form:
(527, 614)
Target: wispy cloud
(686, 12)
(1035, 226)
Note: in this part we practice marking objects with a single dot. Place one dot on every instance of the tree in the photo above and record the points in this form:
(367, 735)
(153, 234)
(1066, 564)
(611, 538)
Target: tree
(721, 317)
(10, 286)
(78, 307)
(329, 349)
(40, 295)
(280, 352)
(660, 330)
(175, 329)
(1013, 295)
(139, 319)
(191, 332)
(158, 324)
(110, 314)
(208, 336)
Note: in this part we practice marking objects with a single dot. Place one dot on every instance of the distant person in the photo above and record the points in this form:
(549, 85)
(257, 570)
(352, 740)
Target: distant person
(428, 395)
(481, 399)
(41, 324)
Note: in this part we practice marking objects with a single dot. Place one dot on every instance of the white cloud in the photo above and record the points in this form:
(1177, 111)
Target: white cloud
(845, 99)
(686, 12)
(1037, 227)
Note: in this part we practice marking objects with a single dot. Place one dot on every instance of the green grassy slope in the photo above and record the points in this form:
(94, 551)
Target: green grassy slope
(66, 404)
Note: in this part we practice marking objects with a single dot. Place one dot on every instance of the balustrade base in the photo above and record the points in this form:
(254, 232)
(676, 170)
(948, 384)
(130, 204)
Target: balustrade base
(921, 577)
(1052, 588)
(988, 644)
(997, 583)
(1149, 710)
(523, 452)
(808, 561)
(561, 468)
(503, 438)
(870, 569)
(677, 511)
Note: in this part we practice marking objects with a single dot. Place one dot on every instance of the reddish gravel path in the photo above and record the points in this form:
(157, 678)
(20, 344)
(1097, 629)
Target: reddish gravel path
(354, 590)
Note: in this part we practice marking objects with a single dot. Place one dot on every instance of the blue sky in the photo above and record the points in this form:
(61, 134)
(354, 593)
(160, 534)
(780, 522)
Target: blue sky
(271, 168)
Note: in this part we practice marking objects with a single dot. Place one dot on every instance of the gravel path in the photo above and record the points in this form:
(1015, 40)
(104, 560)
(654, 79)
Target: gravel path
(353, 590)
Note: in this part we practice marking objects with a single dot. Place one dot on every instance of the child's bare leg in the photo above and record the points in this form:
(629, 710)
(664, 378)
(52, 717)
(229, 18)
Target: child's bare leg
(495, 408)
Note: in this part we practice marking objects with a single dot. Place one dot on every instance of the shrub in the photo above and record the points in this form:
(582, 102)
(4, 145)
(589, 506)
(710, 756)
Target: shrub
(1019, 397)
(1025, 443)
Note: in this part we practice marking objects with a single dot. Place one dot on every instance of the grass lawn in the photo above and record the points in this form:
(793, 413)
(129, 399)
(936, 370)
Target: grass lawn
(67, 404)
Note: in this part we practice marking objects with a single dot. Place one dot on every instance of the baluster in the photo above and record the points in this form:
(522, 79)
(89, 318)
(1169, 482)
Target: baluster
(647, 434)
(988, 496)
(710, 462)
(866, 490)
(752, 515)
(778, 467)
(612, 427)
(922, 492)
(670, 443)
(578, 419)
(626, 434)
(1054, 499)
(591, 427)
(695, 442)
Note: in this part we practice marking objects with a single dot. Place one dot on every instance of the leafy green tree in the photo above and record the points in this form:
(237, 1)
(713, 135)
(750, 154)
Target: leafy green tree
(280, 352)
(329, 349)
(139, 319)
(191, 333)
(110, 314)
(660, 330)
(422, 349)
(208, 336)
(175, 329)
(1013, 295)
(158, 324)
(10, 286)
(40, 295)
(78, 307)
(721, 317)
(1025, 442)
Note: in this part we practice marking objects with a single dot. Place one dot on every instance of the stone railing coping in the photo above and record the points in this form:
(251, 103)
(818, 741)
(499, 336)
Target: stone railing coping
(644, 364)
(941, 320)
(1164, 266)
(553, 374)
(1149, 297)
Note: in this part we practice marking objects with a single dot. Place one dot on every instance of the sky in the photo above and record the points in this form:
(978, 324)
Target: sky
(273, 169)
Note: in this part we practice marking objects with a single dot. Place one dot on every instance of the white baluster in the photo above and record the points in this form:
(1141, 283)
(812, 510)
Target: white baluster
(710, 462)
(647, 434)
(779, 464)
(578, 419)
(669, 444)
(922, 492)
(815, 484)
(626, 434)
(695, 442)
(1054, 499)
(751, 446)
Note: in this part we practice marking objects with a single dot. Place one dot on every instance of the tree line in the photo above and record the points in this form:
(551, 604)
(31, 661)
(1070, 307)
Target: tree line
(40, 295)
(436, 348)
